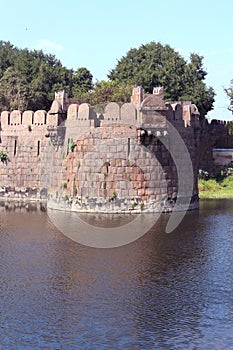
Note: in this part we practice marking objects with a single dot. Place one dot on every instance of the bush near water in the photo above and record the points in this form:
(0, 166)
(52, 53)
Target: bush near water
(219, 187)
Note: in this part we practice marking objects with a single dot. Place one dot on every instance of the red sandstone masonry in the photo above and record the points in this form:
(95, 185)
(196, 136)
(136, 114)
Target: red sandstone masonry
(110, 155)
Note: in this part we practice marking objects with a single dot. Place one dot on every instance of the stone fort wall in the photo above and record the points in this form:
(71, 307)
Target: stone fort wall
(107, 158)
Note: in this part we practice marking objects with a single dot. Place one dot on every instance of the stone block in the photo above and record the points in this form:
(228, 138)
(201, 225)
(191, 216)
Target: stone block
(121, 148)
(84, 115)
(72, 112)
(5, 119)
(56, 107)
(132, 193)
(133, 177)
(112, 113)
(52, 119)
(141, 192)
(120, 170)
(128, 114)
(40, 118)
(16, 118)
(27, 118)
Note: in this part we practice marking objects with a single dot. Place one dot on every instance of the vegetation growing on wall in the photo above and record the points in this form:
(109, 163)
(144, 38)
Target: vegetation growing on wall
(72, 145)
(3, 157)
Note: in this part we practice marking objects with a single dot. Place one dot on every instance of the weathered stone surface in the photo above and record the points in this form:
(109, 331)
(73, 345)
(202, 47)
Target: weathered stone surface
(5, 119)
(56, 107)
(112, 113)
(51, 119)
(113, 162)
(40, 117)
(84, 115)
(72, 112)
(222, 157)
(28, 118)
(128, 113)
(16, 118)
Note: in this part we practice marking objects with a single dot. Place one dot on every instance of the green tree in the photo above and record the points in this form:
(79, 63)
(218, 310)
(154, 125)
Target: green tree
(14, 91)
(229, 92)
(82, 82)
(8, 54)
(40, 74)
(195, 89)
(109, 91)
(48, 80)
(156, 65)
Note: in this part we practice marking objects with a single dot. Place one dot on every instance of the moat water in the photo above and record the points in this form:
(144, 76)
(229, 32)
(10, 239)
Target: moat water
(163, 291)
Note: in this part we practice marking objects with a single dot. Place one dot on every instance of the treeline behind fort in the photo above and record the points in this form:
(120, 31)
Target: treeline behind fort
(29, 79)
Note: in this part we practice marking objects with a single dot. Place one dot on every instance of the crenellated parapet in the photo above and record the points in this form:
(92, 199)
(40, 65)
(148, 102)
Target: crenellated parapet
(18, 120)
(57, 150)
(221, 133)
(141, 108)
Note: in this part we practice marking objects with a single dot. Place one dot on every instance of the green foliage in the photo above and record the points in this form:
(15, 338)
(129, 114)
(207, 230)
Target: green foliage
(134, 204)
(64, 185)
(230, 128)
(156, 65)
(99, 108)
(208, 185)
(142, 205)
(14, 90)
(82, 82)
(222, 179)
(229, 93)
(29, 79)
(7, 55)
(225, 172)
(213, 189)
(113, 196)
(75, 191)
(3, 157)
(221, 185)
(109, 91)
(72, 145)
(227, 182)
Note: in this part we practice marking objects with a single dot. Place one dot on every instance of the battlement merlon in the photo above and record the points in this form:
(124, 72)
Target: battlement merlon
(41, 159)
(84, 115)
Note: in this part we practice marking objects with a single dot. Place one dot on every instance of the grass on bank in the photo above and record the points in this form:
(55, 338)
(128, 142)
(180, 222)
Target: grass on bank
(216, 189)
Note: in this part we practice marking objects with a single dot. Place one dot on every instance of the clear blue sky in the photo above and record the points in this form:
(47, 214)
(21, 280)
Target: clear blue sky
(94, 34)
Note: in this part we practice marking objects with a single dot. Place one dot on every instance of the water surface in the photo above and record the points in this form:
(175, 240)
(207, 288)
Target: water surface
(163, 291)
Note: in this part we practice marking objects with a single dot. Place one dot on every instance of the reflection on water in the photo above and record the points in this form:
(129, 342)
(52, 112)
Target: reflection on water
(163, 291)
(78, 228)
(105, 220)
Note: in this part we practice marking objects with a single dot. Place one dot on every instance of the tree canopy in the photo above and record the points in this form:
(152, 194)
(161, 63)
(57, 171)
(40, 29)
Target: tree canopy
(29, 79)
(109, 91)
(156, 65)
(82, 81)
(229, 92)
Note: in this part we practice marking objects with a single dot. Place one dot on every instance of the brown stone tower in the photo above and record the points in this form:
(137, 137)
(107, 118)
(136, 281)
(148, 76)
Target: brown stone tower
(137, 95)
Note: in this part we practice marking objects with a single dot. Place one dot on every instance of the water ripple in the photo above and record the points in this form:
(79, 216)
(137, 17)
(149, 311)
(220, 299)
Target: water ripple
(163, 291)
